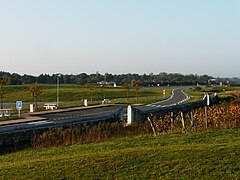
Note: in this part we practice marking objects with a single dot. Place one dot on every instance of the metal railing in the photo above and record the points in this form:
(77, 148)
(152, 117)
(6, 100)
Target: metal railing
(142, 114)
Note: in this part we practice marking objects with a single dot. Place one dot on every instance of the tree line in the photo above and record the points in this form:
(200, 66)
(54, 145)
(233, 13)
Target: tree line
(161, 79)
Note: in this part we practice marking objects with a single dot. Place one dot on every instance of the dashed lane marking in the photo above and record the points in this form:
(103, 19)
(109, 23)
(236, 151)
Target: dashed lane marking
(39, 122)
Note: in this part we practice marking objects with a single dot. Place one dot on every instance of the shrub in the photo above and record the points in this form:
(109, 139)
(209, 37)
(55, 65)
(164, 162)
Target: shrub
(88, 133)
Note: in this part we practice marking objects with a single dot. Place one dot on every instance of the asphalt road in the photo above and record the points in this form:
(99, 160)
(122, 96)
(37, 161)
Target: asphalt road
(178, 97)
(59, 119)
(81, 114)
(88, 115)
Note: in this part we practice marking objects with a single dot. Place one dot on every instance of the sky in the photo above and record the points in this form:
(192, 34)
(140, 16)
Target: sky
(120, 36)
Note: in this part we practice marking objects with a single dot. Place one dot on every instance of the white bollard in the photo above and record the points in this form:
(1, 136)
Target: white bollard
(31, 108)
(130, 115)
(85, 102)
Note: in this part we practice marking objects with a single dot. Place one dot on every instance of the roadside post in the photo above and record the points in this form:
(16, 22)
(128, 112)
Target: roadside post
(31, 108)
(130, 115)
(85, 102)
(164, 93)
(206, 108)
(19, 107)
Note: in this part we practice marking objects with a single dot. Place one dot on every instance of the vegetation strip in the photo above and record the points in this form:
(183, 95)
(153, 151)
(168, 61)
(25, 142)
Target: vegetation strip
(207, 155)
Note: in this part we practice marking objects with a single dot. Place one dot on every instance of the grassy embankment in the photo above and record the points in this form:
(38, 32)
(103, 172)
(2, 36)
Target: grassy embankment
(204, 155)
(72, 95)
(221, 91)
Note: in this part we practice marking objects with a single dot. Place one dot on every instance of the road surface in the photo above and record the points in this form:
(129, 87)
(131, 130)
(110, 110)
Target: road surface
(87, 115)
(62, 118)
(178, 97)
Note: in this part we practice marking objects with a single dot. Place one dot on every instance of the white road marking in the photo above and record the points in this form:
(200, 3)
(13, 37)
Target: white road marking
(39, 122)
(165, 99)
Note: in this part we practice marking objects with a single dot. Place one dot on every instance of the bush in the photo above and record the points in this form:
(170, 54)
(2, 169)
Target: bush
(226, 115)
(89, 133)
(198, 88)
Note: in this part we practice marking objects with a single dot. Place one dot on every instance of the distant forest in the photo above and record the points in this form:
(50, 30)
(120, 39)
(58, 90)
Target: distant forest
(161, 79)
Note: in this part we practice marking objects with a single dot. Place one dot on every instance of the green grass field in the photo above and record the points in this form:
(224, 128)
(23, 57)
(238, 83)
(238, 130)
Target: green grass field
(72, 95)
(204, 155)
(221, 91)
(8, 118)
(78, 92)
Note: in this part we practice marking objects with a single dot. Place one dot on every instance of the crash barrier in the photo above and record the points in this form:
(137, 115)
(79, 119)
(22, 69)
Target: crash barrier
(134, 113)
(23, 136)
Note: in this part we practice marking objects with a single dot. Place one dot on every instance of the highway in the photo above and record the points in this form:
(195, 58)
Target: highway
(178, 97)
(58, 119)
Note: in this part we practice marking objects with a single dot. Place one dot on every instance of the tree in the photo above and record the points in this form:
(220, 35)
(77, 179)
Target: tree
(3, 83)
(35, 93)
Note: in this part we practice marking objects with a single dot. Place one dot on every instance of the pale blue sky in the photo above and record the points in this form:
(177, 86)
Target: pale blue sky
(120, 36)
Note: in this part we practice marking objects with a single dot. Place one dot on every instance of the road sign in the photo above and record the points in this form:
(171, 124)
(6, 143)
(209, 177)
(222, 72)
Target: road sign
(19, 105)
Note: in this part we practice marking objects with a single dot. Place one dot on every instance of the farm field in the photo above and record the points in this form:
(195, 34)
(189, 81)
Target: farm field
(205, 155)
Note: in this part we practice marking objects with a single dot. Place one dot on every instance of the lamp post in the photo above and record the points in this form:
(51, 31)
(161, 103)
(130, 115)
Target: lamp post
(58, 76)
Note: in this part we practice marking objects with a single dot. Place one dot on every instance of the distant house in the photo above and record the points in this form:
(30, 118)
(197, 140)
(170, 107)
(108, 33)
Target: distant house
(102, 83)
(213, 82)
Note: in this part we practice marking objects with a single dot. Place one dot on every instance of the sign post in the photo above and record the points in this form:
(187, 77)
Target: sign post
(19, 107)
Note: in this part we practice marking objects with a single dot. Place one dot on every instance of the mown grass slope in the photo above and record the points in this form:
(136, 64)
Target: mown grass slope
(204, 155)
(78, 92)
(71, 95)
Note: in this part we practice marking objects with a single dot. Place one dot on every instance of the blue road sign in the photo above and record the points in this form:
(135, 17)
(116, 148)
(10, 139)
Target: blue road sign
(19, 105)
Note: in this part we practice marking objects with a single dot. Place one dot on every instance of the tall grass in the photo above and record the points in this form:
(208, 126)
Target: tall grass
(90, 133)
(223, 116)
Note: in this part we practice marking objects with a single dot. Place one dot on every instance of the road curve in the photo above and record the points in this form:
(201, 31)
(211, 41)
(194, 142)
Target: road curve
(87, 115)
(178, 97)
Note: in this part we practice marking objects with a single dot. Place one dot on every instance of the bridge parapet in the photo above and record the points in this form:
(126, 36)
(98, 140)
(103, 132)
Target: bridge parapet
(141, 113)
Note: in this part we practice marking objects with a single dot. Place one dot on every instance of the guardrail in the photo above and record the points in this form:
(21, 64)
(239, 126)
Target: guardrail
(21, 136)
(116, 114)
(135, 114)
